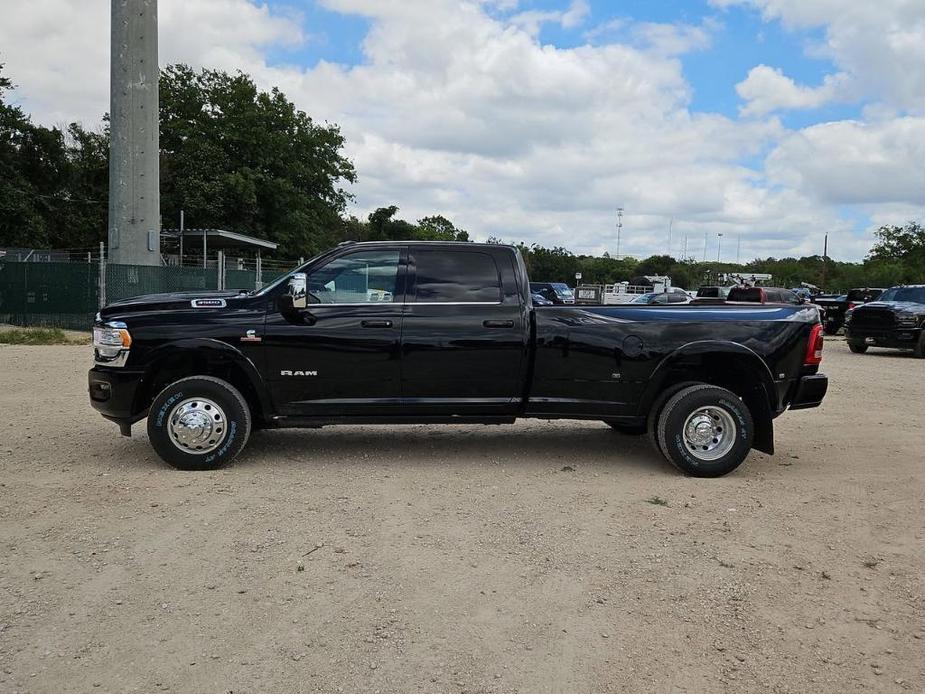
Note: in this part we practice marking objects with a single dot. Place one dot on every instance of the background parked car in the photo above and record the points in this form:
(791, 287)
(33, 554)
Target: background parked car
(713, 292)
(834, 309)
(765, 295)
(675, 295)
(896, 320)
(540, 300)
(556, 292)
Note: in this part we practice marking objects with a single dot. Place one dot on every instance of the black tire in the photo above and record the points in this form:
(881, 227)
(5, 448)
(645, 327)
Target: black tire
(230, 437)
(919, 351)
(657, 406)
(627, 429)
(831, 329)
(857, 347)
(718, 406)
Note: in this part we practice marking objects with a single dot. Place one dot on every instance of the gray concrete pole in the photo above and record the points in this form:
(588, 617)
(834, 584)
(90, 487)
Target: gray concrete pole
(134, 187)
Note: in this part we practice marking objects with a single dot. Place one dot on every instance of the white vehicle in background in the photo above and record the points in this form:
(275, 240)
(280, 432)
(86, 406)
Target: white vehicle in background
(626, 292)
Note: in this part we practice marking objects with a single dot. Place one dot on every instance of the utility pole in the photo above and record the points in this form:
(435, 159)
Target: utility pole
(719, 245)
(705, 235)
(738, 246)
(670, 223)
(619, 229)
(685, 247)
(825, 253)
(134, 189)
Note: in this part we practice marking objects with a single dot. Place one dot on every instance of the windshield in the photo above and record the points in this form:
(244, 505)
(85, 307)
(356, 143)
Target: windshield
(562, 290)
(644, 299)
(915, 295)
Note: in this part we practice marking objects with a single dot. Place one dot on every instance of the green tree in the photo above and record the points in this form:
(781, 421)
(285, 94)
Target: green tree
(899, 252)
(238, 158)
(439, 228)
(52, 182)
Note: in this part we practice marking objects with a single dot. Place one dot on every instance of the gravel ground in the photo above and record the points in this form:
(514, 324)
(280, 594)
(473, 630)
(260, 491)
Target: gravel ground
(539, 557)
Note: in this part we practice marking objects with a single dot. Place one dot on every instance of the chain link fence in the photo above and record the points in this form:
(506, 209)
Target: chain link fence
(68, 294)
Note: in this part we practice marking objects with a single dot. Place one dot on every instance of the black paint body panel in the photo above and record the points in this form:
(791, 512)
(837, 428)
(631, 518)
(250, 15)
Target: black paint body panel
(421, 361)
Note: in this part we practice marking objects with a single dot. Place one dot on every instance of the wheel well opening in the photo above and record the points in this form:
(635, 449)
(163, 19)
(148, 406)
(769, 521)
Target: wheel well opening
(735, 372)
(185, 364)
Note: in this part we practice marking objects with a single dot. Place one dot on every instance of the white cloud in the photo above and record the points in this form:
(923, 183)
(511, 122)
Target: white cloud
(667, 39)
(879, 47)
(851, 162)
(57, 51)
(457, 108)
(767, 89)
(532, 20)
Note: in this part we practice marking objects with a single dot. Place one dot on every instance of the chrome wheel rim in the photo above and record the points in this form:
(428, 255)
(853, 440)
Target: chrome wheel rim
(197, 426)
(709, 433)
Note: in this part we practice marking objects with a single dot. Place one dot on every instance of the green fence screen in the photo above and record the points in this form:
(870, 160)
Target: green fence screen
(60, 295)
(124, 281)
(66, 295)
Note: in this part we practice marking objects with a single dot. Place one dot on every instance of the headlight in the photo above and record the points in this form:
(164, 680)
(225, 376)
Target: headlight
(848, 315)
(907, 321)
(111, 343)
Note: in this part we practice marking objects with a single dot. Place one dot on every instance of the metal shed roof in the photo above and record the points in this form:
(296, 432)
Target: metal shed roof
(221, 239)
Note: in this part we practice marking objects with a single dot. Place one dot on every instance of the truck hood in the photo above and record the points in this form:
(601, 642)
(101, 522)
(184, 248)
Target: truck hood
(170, 301)
(897, 306)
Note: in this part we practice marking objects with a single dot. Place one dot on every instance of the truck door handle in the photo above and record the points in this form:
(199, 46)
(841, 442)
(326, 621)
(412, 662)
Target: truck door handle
(498, 323)
(376, 323)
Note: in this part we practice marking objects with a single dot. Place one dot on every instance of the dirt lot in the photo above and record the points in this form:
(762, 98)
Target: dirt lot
(527, 558)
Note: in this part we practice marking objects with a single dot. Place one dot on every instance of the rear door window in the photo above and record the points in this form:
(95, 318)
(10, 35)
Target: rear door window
(450, 276)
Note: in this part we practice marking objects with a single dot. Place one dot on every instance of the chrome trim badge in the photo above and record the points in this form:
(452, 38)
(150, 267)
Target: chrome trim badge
(208, 303)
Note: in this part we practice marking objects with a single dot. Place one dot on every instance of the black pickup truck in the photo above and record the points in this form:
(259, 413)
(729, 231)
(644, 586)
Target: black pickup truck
(412, 332)
(835, 308)
(895, 320)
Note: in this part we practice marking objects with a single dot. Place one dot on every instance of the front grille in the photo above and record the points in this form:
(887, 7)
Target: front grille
(874, 318)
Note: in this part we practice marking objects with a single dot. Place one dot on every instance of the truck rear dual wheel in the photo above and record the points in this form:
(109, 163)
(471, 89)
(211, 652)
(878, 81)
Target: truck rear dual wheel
(705, 431)
(199, 423)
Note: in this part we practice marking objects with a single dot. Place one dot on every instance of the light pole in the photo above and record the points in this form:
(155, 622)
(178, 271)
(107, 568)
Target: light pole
(719, 245)
(619, 229)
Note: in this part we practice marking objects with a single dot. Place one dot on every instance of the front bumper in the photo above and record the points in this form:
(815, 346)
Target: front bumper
(112, 394)
(809, 392)
(897, 338)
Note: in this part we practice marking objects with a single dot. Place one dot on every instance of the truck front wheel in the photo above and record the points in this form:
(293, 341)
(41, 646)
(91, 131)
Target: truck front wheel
(199, 423)
(705, 431)
(857, 347)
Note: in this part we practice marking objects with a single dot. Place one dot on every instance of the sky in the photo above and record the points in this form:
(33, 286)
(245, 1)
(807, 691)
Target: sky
(771, 122)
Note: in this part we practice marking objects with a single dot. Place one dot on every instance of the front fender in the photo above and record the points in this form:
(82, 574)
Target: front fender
(209, 355)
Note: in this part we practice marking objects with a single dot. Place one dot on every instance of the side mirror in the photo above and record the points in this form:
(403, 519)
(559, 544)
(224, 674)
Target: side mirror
(296, 298)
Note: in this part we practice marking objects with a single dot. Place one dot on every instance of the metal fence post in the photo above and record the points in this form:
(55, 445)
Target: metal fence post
(102, 297)
(220, 267)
